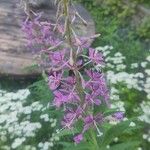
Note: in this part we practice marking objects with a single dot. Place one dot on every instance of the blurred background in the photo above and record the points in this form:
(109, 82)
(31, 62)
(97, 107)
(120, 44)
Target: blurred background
(26, 122)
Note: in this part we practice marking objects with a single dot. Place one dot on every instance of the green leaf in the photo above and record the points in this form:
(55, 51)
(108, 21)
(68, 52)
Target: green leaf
(45, 76)
(67, 132)
(40, 92)
(114, 131)
(81, 146)
(65, 144)
(110, 112)
(125, 146)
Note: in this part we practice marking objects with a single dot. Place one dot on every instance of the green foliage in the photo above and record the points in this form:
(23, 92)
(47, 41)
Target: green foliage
(125, 146)
(144, 29)
(113, 132)
(81, 146)
(132, 98)
(10, 83)
(66, 132)
(40, 92)
(118, 8)
(100, 143)
(113, 20)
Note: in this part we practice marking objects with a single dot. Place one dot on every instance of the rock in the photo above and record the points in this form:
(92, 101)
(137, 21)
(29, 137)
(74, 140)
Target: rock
(15, 58)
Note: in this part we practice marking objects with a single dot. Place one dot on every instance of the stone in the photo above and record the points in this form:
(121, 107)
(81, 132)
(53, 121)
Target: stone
(15, 58)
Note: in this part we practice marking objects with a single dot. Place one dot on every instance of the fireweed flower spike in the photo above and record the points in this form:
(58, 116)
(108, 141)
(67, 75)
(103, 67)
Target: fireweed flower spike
(76, 89)
(78, 138)
(54, 80)
(95, 57)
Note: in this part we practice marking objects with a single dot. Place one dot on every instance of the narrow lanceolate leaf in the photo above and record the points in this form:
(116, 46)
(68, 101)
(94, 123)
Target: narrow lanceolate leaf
(66, 132)
(125, 146)
(113, 132)
(81, 146)
(110, 112)
(65, 144)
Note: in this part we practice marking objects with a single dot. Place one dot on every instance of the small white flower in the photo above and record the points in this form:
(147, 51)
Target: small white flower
(57, 131)
(125, 119)
(145, 136)
(3, 138)
(108, 146)
(56, 138)
(10, 129)
(2, 118)
(33, 148)
(51, 144)
(51, 120)
(147, 71)
(53, 124)
(46, 146)
(40, 144)
(116, 139)
(45, 117)
(132, 124)
(148, 58)
(143, 64)
(17, 142)
(27, 110)
(134, 65)
(52, 139)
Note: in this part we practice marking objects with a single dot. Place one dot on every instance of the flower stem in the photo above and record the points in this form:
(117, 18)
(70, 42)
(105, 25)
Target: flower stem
(73, 55)
(93, 137)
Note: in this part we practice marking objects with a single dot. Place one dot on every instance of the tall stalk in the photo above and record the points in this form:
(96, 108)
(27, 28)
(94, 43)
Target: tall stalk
(78, 93)
(73, 56)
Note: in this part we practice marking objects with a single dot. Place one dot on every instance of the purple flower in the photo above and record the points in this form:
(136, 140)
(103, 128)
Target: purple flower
(71, 116)
(69, 119)
(46, 30)
(54, 80)
(69, 92)
(60, 28)
(90, 121)
(70, 80)
(119, 115)
(94, 75)
(59, 98)
(91, 99)
(77, 91)
(97, 85)
(95, 57)
(57, 57)
(81, 42)
(78, 138)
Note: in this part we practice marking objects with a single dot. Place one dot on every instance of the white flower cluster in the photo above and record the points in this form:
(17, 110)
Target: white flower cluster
(115, 62)
(116, 74)
(116, 103)
(16, 125)
(145, 106)
(147, 136)
(46, 145)
(140, 81)
(147, 83)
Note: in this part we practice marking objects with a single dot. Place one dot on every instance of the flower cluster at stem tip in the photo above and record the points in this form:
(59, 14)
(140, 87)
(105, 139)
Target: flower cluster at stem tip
(76, 85)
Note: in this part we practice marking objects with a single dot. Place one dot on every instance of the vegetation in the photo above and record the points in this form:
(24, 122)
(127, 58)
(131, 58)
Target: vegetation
(127, 56)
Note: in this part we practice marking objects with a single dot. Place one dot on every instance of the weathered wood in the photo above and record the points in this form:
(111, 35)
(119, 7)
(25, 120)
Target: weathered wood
(15, 57)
